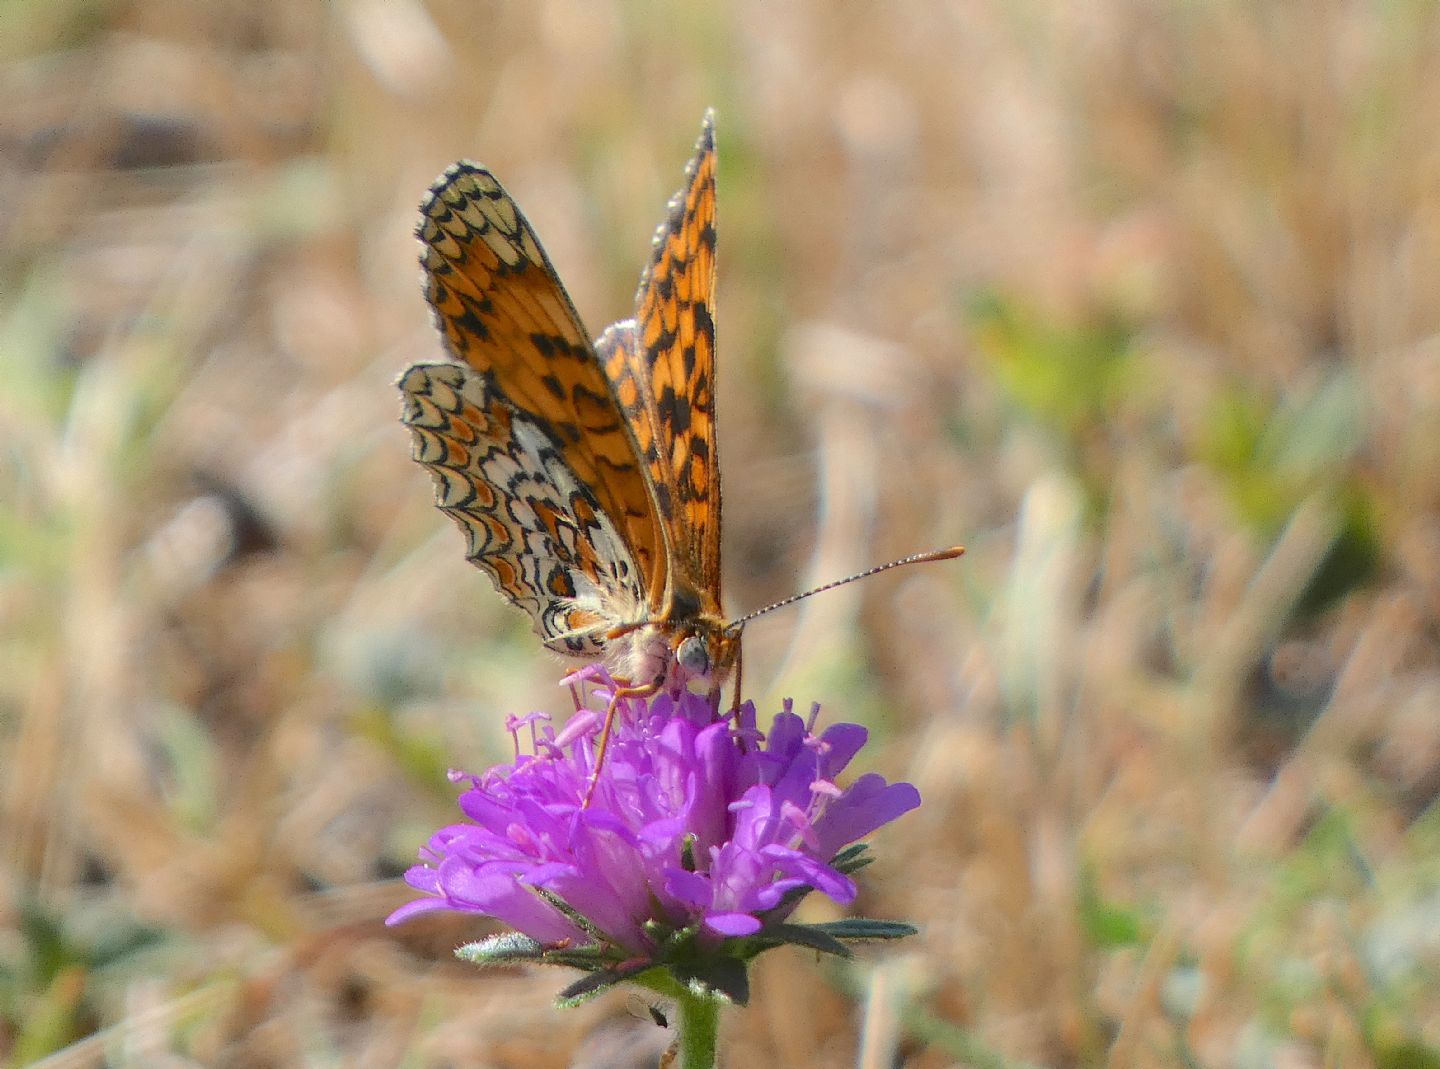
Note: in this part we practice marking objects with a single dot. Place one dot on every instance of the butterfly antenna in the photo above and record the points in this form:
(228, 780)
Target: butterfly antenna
(918, 558)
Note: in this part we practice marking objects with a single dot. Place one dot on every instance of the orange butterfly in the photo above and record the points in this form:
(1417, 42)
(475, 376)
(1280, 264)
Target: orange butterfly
(584, 476)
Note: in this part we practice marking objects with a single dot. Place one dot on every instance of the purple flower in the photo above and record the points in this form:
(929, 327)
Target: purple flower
(699, 829)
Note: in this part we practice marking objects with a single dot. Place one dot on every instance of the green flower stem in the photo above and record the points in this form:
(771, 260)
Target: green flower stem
(699, 1025)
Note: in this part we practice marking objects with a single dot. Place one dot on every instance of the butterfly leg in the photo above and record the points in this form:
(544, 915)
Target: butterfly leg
(716, 687)
(620, 694)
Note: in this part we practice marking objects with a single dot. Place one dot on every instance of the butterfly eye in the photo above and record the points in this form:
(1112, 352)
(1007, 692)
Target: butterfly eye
(693, 656)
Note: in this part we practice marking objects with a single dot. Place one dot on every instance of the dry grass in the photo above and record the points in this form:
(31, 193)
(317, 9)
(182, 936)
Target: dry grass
(1138, 300)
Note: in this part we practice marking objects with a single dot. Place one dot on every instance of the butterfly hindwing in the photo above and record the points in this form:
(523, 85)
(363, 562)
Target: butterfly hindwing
(529, 521)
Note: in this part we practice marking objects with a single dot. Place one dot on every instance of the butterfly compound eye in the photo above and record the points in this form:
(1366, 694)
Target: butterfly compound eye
(693, 656)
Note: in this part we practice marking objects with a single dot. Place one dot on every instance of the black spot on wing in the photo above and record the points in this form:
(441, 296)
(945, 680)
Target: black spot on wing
(560, 583)
(674, 410)
(596, 410)
(664, 343)
(470, 319)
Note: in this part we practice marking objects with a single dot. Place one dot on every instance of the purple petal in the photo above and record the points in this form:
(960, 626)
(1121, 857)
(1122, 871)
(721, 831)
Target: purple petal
(732, 924)
(690, 888)
(869, 804)
(414, 909)
(842, 742)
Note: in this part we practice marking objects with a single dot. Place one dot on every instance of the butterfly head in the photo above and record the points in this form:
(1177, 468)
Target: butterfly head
(675, 650)
(700, 644)
(688, 641)
(705, 649)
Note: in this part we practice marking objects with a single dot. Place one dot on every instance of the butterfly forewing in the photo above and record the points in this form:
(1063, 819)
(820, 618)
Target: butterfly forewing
(665, 379)
(503, 311)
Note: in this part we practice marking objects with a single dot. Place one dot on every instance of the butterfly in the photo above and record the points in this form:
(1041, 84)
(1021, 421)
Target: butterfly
(584, 475)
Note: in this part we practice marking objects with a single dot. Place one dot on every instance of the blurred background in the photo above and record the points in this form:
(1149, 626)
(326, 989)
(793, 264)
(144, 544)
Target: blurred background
(1137, 300)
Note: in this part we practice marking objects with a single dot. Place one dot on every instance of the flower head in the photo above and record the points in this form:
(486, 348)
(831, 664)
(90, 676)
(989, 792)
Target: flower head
(699, 837)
